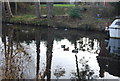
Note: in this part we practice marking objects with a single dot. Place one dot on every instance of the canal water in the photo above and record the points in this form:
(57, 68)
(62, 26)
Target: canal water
(52, 53)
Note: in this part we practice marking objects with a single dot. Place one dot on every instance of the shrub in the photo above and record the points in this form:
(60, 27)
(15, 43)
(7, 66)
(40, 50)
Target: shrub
(75, 13)
(117, 7)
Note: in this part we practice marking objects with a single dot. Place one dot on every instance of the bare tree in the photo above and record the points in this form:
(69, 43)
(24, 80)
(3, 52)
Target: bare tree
(37, 9)
(50, 10)
(3, 9)
(8, 9)
(16, 8)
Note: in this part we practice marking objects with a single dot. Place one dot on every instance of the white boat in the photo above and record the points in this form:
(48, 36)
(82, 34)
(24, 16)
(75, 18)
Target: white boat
(114, 46)
(114, 29)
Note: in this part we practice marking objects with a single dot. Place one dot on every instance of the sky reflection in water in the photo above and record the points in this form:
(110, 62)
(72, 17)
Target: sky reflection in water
(64, 63)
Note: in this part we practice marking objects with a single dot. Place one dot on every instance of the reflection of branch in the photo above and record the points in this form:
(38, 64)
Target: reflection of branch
(84, 73)
(38, 55)
(21, 49)
(49, 52)
(77, 68)
(59, 71)
(8, 53)
(44, 74)
(38, 59)
(14, 66)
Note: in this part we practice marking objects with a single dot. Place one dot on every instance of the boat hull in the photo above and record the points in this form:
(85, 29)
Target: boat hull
(114, 46)
(114, 32)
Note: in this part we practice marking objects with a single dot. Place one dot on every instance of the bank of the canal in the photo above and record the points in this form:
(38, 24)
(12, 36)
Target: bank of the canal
(93, 24)
(88, 19)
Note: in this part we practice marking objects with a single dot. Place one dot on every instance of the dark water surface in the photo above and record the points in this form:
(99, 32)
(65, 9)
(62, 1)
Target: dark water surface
(47, 53)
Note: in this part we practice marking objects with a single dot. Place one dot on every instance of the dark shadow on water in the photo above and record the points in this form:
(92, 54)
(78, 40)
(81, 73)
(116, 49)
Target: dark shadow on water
(109, 57)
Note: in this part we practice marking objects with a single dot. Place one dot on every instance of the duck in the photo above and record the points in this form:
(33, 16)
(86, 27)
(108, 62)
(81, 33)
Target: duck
(62, 46)
(75, 51)
(66, 49)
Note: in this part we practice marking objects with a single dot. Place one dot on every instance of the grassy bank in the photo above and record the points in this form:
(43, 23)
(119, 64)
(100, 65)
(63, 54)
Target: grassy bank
(28, 19)
(88, 20)
(60, 5)
(59, 9)
(61, 21)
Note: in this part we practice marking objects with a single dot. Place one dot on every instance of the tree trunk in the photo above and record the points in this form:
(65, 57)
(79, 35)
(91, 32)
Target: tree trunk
(37, 9)
(8, 8)
(76, 3)
(3, 9)
(0, 16)
(50, 10)
(16, 8)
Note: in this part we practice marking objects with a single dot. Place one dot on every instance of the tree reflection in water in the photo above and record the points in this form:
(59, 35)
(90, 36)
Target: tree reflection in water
(15, 56)
(87, 44)
(47, 71)
(8, 54)
(50, 39)
(59, 72)
(18, 57)
(37, 37)
(11, 51)
(15, 59)
(84, 73)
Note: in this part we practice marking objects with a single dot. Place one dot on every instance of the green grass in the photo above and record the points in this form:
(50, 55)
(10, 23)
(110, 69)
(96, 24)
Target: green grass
(64, 5)
(59, 9)
(23, 18)
(59, 5)
(28, 19)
